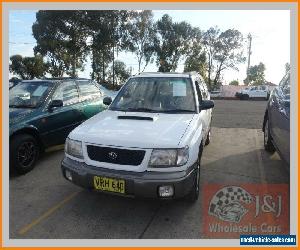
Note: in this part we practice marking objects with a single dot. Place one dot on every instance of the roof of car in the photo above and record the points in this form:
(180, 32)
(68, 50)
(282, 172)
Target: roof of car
(55, 79)
(166, 74)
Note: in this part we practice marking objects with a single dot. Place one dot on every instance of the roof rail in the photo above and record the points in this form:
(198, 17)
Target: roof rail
(174, 73)
(63, 78)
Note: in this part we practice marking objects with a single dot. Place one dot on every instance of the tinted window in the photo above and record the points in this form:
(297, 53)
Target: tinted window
(263, 87)
(67, 92)
(29, 94)
(285, 87)
(88, 90)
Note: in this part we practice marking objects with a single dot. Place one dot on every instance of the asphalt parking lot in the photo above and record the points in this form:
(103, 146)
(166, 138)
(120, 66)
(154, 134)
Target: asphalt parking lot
(43, 205)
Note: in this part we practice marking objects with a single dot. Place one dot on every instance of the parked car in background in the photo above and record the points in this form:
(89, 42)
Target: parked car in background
(151, 139)
(254, 92)
(215, 93)
(276, 125)
(13, 82)
(43, 112)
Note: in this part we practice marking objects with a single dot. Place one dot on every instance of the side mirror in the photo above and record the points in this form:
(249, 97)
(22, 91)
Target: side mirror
(107, 100)
(206, 104)
(55, 104)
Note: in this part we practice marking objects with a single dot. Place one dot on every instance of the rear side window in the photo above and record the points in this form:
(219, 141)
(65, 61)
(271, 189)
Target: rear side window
(67, 92)
(88, 90)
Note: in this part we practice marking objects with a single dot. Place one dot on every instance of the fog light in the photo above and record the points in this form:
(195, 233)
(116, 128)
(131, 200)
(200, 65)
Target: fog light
(166, 191)
(68, 175)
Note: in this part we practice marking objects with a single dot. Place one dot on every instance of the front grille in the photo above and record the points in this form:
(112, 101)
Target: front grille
(115, 155)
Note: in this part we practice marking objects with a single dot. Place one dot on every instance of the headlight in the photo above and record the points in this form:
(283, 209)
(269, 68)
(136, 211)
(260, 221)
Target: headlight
(74, 148)
(169, 157)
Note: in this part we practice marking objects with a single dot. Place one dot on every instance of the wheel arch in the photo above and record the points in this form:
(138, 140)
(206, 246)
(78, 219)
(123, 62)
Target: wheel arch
(30, 131)
(265, 119)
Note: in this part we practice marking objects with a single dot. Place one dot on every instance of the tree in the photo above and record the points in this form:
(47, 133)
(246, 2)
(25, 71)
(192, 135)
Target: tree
(234, 83)
(172, 43)
(28, 67)
(121, 72)
(256, 74)
(107, 32)
(61, 37)
(196, 56)
(224, 50)
(141, 37)
(287, 67)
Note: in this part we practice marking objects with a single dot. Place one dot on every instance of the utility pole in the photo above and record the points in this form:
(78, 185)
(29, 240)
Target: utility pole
(249, 55)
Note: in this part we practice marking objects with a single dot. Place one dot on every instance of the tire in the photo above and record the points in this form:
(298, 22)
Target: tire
(245, 97)
(268, 144)
(193, 195)
(207, 141)
(24, 152)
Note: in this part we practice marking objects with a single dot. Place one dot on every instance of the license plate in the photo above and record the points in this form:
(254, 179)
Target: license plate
(109, 184)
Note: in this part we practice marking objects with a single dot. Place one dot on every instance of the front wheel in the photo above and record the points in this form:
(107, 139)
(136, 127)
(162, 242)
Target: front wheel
(245, 97)
(24, 151)
(194, 193)
(207, 141)
(268, 144)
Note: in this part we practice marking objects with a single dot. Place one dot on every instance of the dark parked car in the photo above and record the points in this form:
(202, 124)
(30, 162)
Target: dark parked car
(43, 112)
(276, 124)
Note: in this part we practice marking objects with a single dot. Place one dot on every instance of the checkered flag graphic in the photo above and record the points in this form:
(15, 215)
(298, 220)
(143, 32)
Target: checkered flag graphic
(226, 196)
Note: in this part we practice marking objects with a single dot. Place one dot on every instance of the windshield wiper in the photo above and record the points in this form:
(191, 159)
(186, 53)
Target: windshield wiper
(177, 111)
(140, 110)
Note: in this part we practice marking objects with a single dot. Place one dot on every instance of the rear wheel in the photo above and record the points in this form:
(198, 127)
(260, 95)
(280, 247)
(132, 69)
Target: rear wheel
(268, 144)
(245, 97)
(24, 151)
(207, 141)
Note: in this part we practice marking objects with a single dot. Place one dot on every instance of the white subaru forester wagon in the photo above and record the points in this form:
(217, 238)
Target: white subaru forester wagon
(148, 142)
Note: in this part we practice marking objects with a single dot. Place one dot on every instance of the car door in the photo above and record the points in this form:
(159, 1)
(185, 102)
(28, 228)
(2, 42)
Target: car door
(91, 98)
(263, 91)
(282, 118)
(254, 92)
(60, 121)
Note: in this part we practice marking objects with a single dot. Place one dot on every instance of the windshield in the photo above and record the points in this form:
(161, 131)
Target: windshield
(28, 94)
(156, 94)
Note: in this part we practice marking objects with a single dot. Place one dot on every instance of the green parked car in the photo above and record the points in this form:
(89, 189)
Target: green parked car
(43, 112)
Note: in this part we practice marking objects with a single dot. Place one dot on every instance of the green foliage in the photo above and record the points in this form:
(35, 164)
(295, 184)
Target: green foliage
(224, 50)
(28, 67)
(172, 43)
(61, 36)
(108, 32)
(196, 57)
(121, 72)
(256, 75)
(234, 82)
(141, 37)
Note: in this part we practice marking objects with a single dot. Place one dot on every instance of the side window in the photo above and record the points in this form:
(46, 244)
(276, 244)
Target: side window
(203, 91)
(67, 92)
(285, 87)
(88, 90)
(198, 92)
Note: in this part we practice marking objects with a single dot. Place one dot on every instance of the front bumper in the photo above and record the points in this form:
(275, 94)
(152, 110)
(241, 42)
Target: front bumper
(137, 184)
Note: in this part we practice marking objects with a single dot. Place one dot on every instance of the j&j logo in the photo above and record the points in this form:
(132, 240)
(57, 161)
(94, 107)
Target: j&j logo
(245, 209)
(227, 203)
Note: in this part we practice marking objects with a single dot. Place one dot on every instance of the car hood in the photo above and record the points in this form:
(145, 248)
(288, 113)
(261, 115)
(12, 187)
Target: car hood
(158, 131)
(17, 114)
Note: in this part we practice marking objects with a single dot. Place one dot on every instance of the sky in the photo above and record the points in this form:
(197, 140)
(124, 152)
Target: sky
(270, 30)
